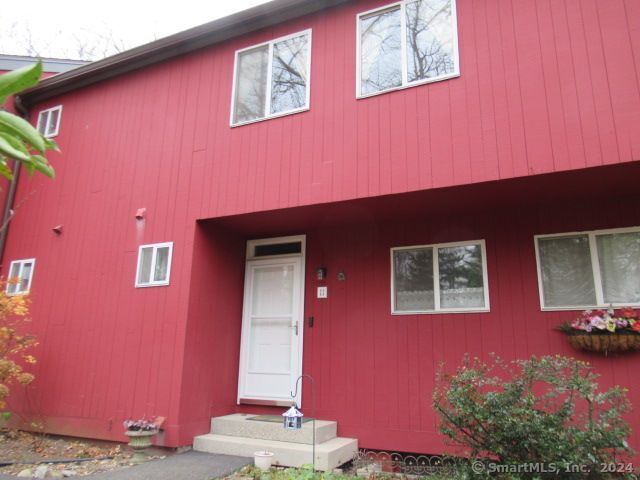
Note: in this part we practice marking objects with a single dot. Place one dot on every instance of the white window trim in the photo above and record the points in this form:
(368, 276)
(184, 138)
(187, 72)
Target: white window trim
(21, 262)
(46, 127)
(251, 246)
(436, 280)
(595, 266)
(267, 108)
(156, 246)
(403, 48)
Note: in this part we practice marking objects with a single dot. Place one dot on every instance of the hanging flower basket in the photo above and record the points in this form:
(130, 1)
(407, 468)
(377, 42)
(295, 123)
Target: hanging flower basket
(605, 331)
(605, 343)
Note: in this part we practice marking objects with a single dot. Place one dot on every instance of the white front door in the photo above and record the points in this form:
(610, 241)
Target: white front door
(272, 327)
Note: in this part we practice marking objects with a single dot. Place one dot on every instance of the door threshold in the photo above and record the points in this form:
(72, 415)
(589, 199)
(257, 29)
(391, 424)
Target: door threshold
(266, 403)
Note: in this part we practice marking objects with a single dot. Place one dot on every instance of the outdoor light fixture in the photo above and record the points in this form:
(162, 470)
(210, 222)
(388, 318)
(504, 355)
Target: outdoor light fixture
(57, 229)
(141, 213)
(293, 416)
(321, 273)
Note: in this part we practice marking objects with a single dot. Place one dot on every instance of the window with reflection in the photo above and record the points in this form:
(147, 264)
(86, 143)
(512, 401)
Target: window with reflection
(272, 79)
(589, 269)
(439, 278)
(407, 43)
(20, 275)
(154, 264)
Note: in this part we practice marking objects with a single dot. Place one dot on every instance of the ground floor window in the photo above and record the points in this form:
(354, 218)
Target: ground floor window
(589, 269)
(154, 264)
(20, 275)
(449, 277)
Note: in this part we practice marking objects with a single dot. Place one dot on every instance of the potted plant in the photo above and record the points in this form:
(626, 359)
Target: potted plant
(605, 331)
(263, 459)
(140, 433)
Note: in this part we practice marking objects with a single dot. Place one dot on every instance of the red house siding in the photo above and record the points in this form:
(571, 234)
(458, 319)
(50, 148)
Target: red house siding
(545, 87)
(375, 372)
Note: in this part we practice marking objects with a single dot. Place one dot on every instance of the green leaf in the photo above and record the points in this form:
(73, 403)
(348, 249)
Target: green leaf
(6, 415)
(30, 166)
(50, 144)
(5, 171)
(42, 165)
(19, 127)
(18, 80)
(15, 142)
(10, 151)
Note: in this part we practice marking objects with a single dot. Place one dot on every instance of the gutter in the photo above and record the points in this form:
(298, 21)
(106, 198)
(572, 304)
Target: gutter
(256, 18)
(13, 186)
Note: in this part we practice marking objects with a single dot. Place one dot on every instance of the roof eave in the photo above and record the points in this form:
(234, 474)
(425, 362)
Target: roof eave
(241, 23)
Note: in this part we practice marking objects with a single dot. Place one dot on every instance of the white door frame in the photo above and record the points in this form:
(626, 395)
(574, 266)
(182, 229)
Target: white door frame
(253, 260)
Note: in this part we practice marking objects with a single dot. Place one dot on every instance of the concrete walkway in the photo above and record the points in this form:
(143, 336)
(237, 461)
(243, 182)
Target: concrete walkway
(183, 466)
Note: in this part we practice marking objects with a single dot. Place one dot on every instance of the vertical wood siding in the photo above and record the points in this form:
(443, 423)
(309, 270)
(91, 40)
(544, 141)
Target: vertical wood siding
(545, 86)
(375, 372)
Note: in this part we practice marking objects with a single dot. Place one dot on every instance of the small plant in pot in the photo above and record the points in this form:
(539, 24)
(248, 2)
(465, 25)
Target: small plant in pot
(140, 433)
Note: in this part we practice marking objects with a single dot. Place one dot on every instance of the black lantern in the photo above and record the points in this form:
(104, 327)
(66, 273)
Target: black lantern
(293, 418)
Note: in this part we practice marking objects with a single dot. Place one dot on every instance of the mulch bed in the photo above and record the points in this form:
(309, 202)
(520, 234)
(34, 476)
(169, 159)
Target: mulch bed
(87, 456)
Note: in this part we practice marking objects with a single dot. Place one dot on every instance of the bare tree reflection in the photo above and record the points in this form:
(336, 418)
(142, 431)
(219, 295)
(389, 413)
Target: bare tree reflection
(429, 35)
(429, 39)
(289, 77)
(381, 51)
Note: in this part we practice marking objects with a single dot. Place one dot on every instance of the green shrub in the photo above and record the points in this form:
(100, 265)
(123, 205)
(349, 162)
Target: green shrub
(545, 411)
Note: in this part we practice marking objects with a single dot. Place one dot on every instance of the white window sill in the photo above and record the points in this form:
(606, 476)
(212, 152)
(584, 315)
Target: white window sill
(574, 308)
(360, 96)
(277, 115)
(442, 312)
(147, 285)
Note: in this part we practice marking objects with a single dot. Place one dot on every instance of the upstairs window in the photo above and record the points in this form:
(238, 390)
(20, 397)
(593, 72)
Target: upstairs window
(272, 79)
(154, 264)
(20, 275)
(589, 269)
(448, 277)
(49, 121)
(405, 44)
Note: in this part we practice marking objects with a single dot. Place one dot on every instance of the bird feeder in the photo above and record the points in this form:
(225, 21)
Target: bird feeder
(293, 418)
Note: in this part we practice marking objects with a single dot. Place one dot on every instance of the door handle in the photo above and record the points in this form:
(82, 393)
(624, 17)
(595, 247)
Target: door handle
(295, 328)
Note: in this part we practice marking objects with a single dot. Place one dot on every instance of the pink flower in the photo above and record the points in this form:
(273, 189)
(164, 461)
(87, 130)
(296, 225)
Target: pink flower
(579, 324)
(598, 322)
(622, 323)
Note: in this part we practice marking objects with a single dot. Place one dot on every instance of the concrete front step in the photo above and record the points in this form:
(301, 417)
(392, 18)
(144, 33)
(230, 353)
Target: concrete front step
(240, 425)
(329, 455)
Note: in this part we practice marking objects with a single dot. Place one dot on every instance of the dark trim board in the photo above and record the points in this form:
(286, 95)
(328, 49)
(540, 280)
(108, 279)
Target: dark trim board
(241, 23)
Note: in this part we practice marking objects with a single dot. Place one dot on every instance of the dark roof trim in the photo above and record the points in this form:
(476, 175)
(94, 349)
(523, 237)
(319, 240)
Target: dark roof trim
(256, 18)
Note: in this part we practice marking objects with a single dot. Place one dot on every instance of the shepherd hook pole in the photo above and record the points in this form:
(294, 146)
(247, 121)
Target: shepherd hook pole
(313, 412)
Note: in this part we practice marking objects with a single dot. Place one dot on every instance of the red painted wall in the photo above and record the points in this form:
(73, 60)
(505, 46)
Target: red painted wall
(545, 86)
(375, 372)
(213, 329)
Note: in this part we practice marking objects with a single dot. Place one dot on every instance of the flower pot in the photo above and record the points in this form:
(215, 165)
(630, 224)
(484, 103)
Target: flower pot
(606, 342)
(139, 441)
(263, 460)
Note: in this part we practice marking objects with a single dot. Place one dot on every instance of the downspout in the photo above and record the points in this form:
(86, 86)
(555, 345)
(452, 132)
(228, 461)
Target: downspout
(13, 186)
